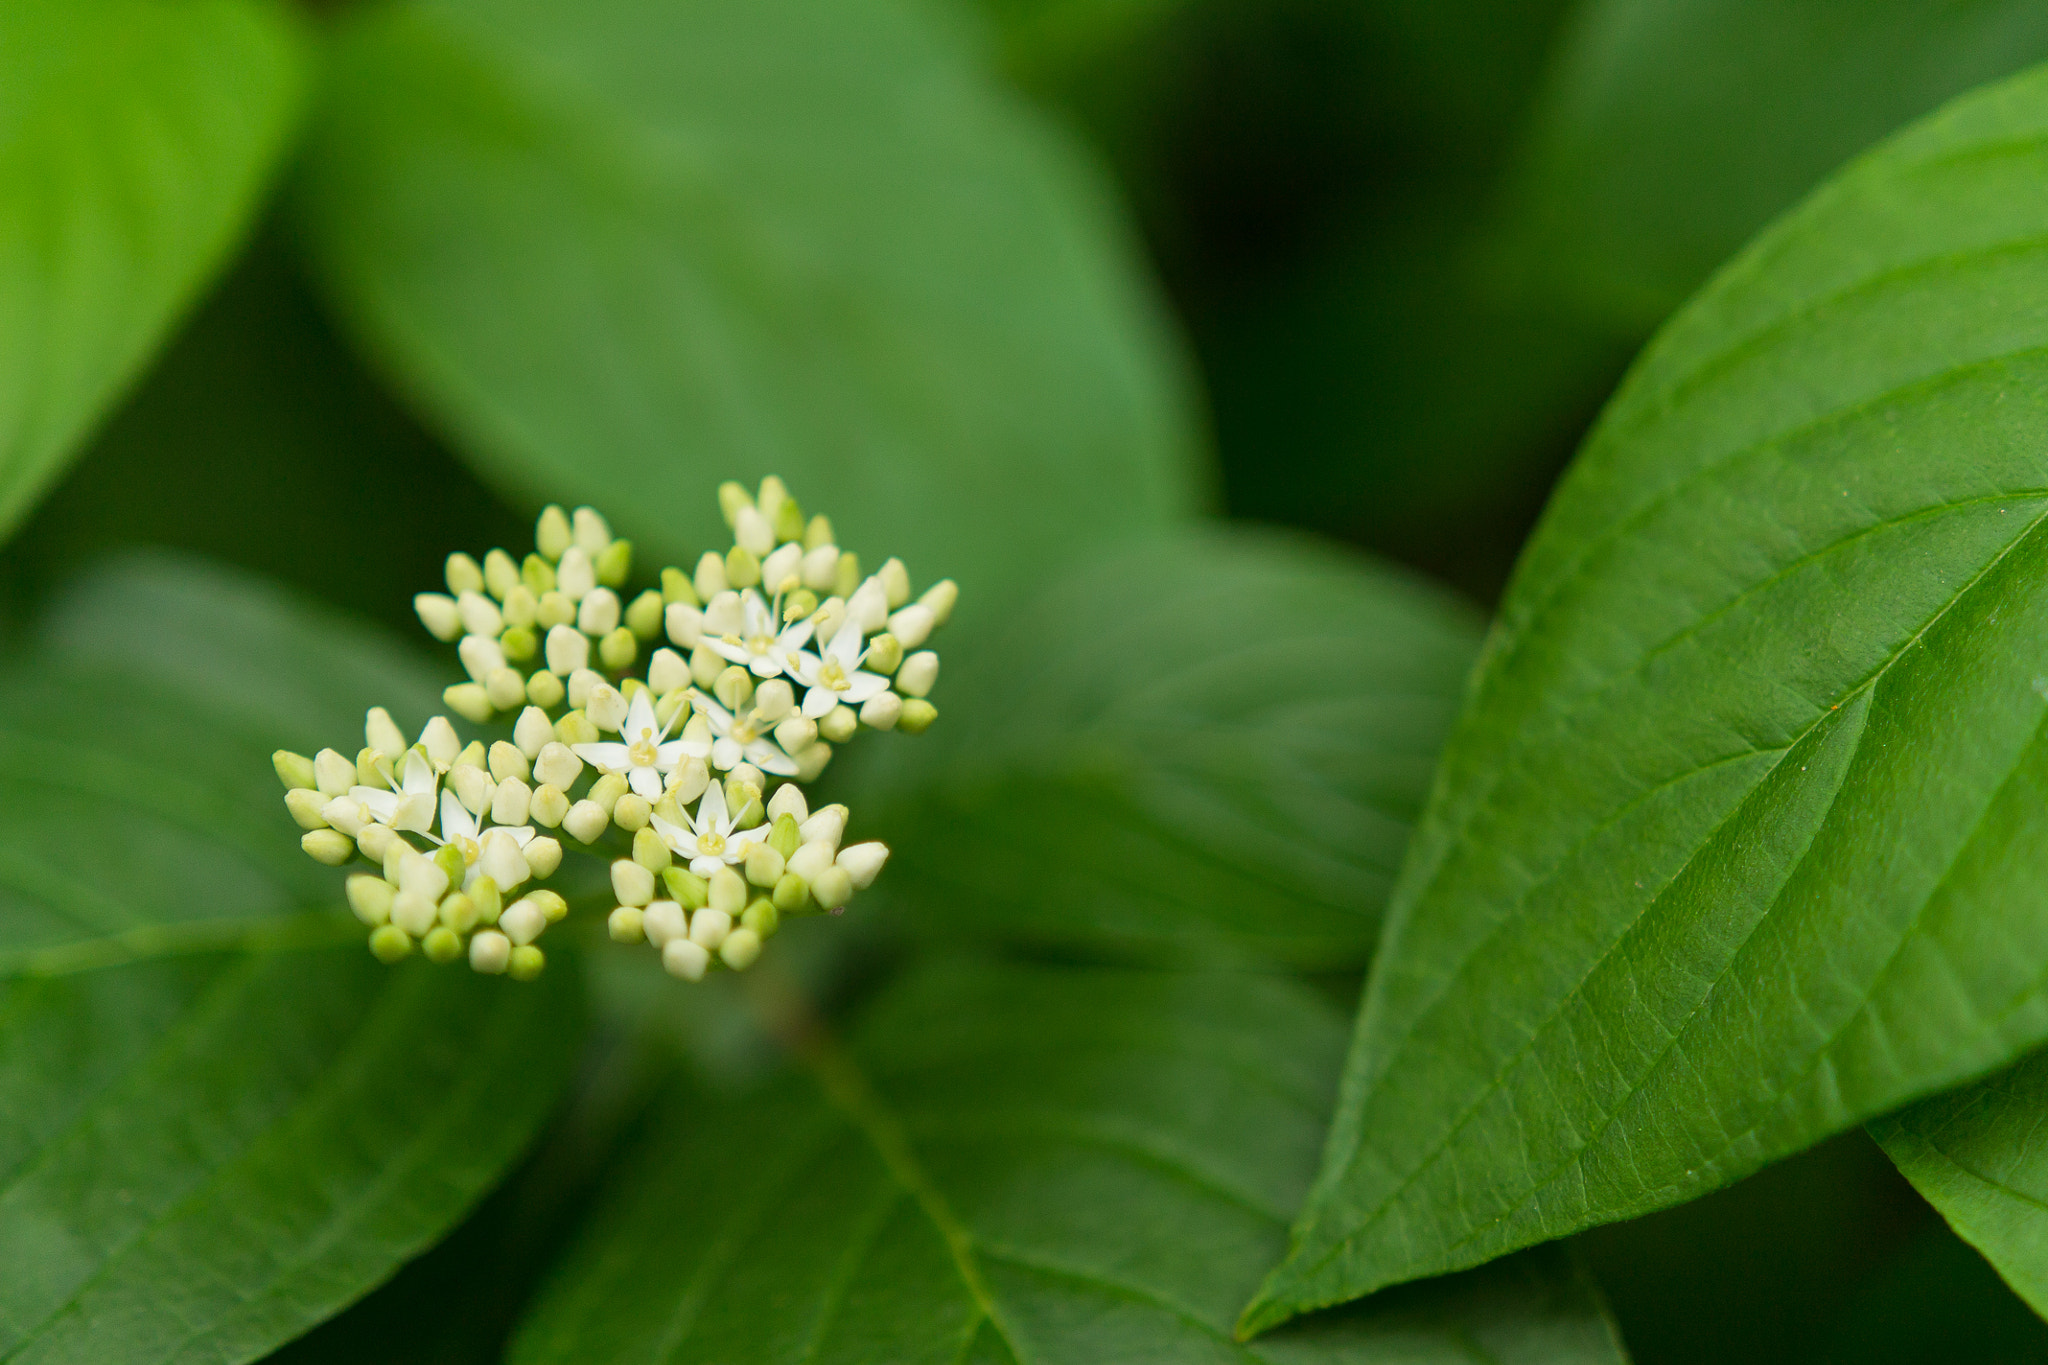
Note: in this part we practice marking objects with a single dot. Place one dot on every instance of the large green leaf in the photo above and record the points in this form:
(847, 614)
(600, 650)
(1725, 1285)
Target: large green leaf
(1211, 746)
(623, 250)
(222, 1121)
(135, 139)
(1733, 846)
(1674, 129)
(1016, 1164)
(1980, 1156)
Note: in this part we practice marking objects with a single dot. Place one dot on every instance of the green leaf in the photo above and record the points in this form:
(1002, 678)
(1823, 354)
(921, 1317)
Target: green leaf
(1734, 844)
(1979, 1156)
(625, 250)
(1209, 747)
(1015, 1163)
(1674, 129)
(220, 1120)
(136, 137)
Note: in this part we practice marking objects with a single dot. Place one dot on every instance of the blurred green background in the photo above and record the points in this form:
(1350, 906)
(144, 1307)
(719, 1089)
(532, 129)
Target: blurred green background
(1410, 245)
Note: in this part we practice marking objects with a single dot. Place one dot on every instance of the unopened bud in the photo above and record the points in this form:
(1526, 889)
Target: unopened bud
(575, 728)
(709, 580)
(662, 921)
(598, 612)
(820, 568)
(510, 802)
(575, 576)
(764, 865)
(709, 926)
(333, 774)
(377, 840)
(500, 573)
(543, 855)
(868, 606)
(537, 575)
(827, 823)
(479, 614)
(833, 888)
(666, 672)
(818, 531)
(810, 860)
(586, 820)
(740, 949)
(488, 899)
(773, 700)
(918, 715)
(591, 530)
(913, 625)
(727, 891)
(684, 959)
(463, 574)
(619, 649)
(677, 587)
(690, 779)
(848, 578)
(615, 565)
(522, 921)
(502, 860)
(885, 654)
(755, 534)
(940, 597)
(468, 700)
(533, 731)
(490, 952)
(481, 656)
(863, 862)
(626, 924)
(441, 945)
(742, 569)
(507, 761)
(527, 962)
(644, 615)
(414, 913)
(555, 610)
(684, 623)
(686, 887)
(458, 912)
(305, 804)
(630, 812)
(632, 883)
(607, 790)
(649, 851)
(791, 894)
(548, 806)
(370, 897)
(789, 800)
(881, 711)
(381, 733)
(895, 580)
(734, 687)
(472, 787)
(438, 613)
(780, 571)
(705, 666)
(811, 762)
(839, 724)
(568, 650)
(784, 835)
(918, 673)
(389, 943)
(788, 519)
(606, 708)
(522, 604)
(329, 846)
(545, 690)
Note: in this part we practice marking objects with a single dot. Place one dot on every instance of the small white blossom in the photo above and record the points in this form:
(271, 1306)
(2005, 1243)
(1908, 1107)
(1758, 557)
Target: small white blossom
(757, 645)
(643, 754)
(836, 676)
(710, 842)
(411, 807)
(735, 740)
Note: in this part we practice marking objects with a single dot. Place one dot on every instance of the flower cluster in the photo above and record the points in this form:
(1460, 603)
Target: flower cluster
(687, 771)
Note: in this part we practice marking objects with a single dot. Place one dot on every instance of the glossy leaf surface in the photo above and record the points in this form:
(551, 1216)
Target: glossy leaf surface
(623, 252)
(136, 137)
(1016, 1164)
(220, 1119)
(1734, 845)
(1212, 746)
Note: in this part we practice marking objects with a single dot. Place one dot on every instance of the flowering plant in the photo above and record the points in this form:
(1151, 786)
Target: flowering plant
(672, 733)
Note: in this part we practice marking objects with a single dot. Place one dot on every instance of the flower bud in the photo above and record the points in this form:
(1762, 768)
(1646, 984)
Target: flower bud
(568, 650)
(505, 689)
(468, 700)
(881, 711)
(788, 519)
(627, 924)
(462, 574)
(414, 913)
(773, 700)
(606, 708)
(868, 607)
(740, 949)
(811, 762)
(848, 578)
(677, 587)
(619, 649)
(649, 851)
(543, 856)
(809, 861)
(441, 945)
(480, 656)
(754, 533)
(727, 892)
(575, 576)
(885, 654)
(488, 899)
(506, 761)
(632, 883)
(531, 731)
(555, 610)
(615, 565)
(522, 604)
(827, 823)
(709, 580)
(376, 841)
(296, 770)
(784, 835)
(458, 912)
(472, 787)
(644, 615)
(370, 897)
(791, 894)
(781, 571)
(522, 921)
(918, 673)
(709, 926)
(500, 573)
(549, 805)
(686, 887)
(438, 613)
(690, 779)
(764, 865)
(918, 715)
(895, 580)
(839, 724)
(598, 613)
(833, 888)
(556, 765)
(863, 862)
(489, 952)
(329, 846)
(502, 860)
(305, 805)
(381, 733)
(592, 531)
(575, 728)
(586, 820)
(820, 568)
(667, 672)
(449, 859)
(545, 690)
(518, 644)
(606, 792)
(527, 961)
(684, 959)
(761, 917)
(684, 623)
(789, 800)
(913, 625)
(389, 943)
(479, 614)
(940, 597)
(510, 802)
(373, 770)
(537, 575)
(345, 815)
(734, 687)
(742, 567)
(662, 921)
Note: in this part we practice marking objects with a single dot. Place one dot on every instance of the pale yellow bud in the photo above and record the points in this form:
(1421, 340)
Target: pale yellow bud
(501, 574)
(630, 812)
(664, 920)
(480, 615)
(598, 613)
(839, 724)
(463, 574)
(895, 581)
(510, 802)
(918, 673)
(505, 689)
(684, 959)
(586, 820)
(556, 765)
(709, 926)
(632, 883)
(627, 924)
(329, 846)
(606, 707)
(740, 949)
(305, 805)
(549, 805)
(490, 952)
(438, 613)
(709, 580)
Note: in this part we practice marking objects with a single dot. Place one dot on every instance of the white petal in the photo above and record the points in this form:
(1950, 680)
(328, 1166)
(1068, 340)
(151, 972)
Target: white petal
(726, 755)
(846, 645)
(678, 839)
(456, 822)
(763, 665)
(381, 804)
(861, 686)
(420, 778)
(645, 781)
(770, 759)
(668, 756)
(725, 649)
(819, 701)
(705, 867)
(640, 722)
(609, 756)
(711, 810)
(795, 638)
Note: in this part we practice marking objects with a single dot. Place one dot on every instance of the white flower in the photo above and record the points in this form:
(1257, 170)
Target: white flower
(757, 645)
(710, 842)
(642, 753)
(411, 807)
(736, 741)
(466, 832)
(836, 677)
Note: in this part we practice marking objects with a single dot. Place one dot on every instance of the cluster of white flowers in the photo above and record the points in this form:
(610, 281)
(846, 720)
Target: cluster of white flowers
(689, 770)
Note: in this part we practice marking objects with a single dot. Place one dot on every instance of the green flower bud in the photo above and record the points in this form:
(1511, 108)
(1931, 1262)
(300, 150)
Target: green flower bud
(839, 724)
(304, 804)
(441, 945)
(549, 805)
(849, 575)
(458, 912)
(895, 582)
(732, 496)
(519, 643)
(389, 943)
(522, 605)
(619, 649)
(506, 761)
(686, 888)
(489, 901)
(526, 962)
(607, 790)
(632, 883)
(727, 892)
(490, 952)
(684, 959)
(833, 888)
(586, 821)
(709, 926)
(463, 575)
(941, 597)
(705, 666)
(556, 609)
(615, 564)
(537, 576)
(329, 846)
(505, 689)
(917, 716)
(626, 925)
(296, 770)
(545, 690)
(788, 520)
(644, 614)
(552, 532)
(470, 701)
(473, 755)
(819, 532)
(649, 851)
(764, 866)
(885, 654)
(751, 813)
(742, 568)
(734, 687)
(449, 859)
(375, 841)
(543, 856)
(740, 949)
(370, 897)
(574, 728)
(373, 769)
(501, 574)
(799, 604)
(333, 774)
(881, 711)
(790, 894)
(676, 587)
(812, 761)
(592, 531)
(762, 917)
